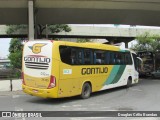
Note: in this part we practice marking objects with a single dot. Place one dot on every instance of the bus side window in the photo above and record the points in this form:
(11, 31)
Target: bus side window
(117, 58)
(71, 55)
(107, 57)
(99, 57)
(79, 56)
(112, 60)
(76, 56)
(88, 57)
(65, 53)
(135, 61)
(128, 60)
(73, 59)
(121, 58)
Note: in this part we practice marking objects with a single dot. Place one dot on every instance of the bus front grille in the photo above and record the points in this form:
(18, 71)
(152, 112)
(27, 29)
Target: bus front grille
(35, 65)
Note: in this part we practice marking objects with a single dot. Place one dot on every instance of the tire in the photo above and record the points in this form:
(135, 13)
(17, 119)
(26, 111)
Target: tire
(86, 91)
(129, 82)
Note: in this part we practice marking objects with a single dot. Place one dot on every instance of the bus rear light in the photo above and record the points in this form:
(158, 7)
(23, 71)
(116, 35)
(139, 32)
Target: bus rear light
(22, 77)
(52, 83)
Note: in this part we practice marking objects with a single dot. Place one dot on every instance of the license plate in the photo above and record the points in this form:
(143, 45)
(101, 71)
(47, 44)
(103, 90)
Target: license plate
(35, 91)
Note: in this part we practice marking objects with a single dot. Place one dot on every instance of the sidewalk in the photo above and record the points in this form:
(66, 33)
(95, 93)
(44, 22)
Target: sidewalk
(10, 93)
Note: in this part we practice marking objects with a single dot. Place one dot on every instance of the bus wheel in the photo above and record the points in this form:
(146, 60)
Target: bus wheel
(129, 82)
(86, 91)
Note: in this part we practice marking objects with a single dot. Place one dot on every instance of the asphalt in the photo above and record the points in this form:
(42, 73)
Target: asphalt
(143, 96)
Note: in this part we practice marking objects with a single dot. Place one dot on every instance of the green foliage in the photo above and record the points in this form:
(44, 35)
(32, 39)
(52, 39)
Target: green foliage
(59, 28)
(13, 28)
(39, 28)
(147, 42)
(15, 55)
(80, 40)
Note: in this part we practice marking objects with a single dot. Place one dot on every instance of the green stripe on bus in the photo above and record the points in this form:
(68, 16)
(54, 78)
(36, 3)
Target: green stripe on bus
(119, 74)
(112, 75)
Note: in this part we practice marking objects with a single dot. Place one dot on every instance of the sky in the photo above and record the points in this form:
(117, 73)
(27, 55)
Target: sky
(4, 47)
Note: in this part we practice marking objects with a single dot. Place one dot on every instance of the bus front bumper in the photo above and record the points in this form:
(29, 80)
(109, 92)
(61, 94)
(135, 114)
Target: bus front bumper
(44, 93)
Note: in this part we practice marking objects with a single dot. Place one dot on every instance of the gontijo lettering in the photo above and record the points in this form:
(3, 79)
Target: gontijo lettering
(42, 59)
(97, 70)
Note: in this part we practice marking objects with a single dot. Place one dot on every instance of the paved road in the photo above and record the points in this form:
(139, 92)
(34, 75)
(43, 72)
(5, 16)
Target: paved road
(144, 96)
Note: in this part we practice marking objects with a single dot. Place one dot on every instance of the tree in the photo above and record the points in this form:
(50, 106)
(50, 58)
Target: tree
(82, 40)
(39, 29)
(147, 42)
(16, 46)
(15, 55)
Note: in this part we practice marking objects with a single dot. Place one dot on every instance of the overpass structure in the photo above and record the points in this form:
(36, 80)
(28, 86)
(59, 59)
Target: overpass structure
(132, 12)
(33, 12)
(112, 34)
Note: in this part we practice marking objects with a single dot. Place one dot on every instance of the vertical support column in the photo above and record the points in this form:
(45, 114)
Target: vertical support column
(110, 41)
(126, 44)
(30, 20)
(46, 31)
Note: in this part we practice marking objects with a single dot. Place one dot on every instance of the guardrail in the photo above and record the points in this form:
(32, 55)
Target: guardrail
(11, 85)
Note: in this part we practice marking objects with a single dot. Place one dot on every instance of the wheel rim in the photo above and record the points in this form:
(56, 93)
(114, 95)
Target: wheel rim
(86, 91)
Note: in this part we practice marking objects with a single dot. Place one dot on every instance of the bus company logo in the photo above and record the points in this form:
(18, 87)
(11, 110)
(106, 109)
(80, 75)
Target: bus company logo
(36, 48)
(37, 59)
(37, 62)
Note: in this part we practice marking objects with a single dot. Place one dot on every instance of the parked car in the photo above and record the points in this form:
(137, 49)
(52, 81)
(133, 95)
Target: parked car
(156, 74)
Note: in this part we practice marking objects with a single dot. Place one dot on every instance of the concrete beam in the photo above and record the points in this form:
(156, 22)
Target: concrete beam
(83, 12)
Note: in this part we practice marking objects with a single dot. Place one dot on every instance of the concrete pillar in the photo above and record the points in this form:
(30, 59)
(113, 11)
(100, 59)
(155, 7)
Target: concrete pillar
(31, 20)
(126, 44)
(46, 31)
(111, 42)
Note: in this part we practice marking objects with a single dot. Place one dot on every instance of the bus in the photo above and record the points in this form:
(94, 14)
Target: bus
(147, 63)
(57, 69)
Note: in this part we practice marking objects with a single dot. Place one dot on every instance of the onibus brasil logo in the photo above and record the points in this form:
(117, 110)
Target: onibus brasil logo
(36, 48)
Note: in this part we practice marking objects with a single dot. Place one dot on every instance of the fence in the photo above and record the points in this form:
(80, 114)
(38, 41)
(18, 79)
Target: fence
(11, 85)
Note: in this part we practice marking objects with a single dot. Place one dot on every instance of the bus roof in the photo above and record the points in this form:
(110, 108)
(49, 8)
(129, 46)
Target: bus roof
(92, 45)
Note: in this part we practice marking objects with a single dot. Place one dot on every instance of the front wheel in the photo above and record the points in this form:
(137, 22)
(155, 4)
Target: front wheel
(129, 82)
(86, 91)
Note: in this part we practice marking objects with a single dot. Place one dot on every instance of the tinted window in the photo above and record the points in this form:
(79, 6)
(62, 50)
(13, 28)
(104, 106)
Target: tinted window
(79, 56)
(135, 61)
(88, 56)
(84, 56)
(71, 55)
(128, 60)
(65, 54)
(99, 57)
(112, 58)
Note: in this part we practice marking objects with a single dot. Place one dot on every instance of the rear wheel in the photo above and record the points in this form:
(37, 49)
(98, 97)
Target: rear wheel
(86, 91)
